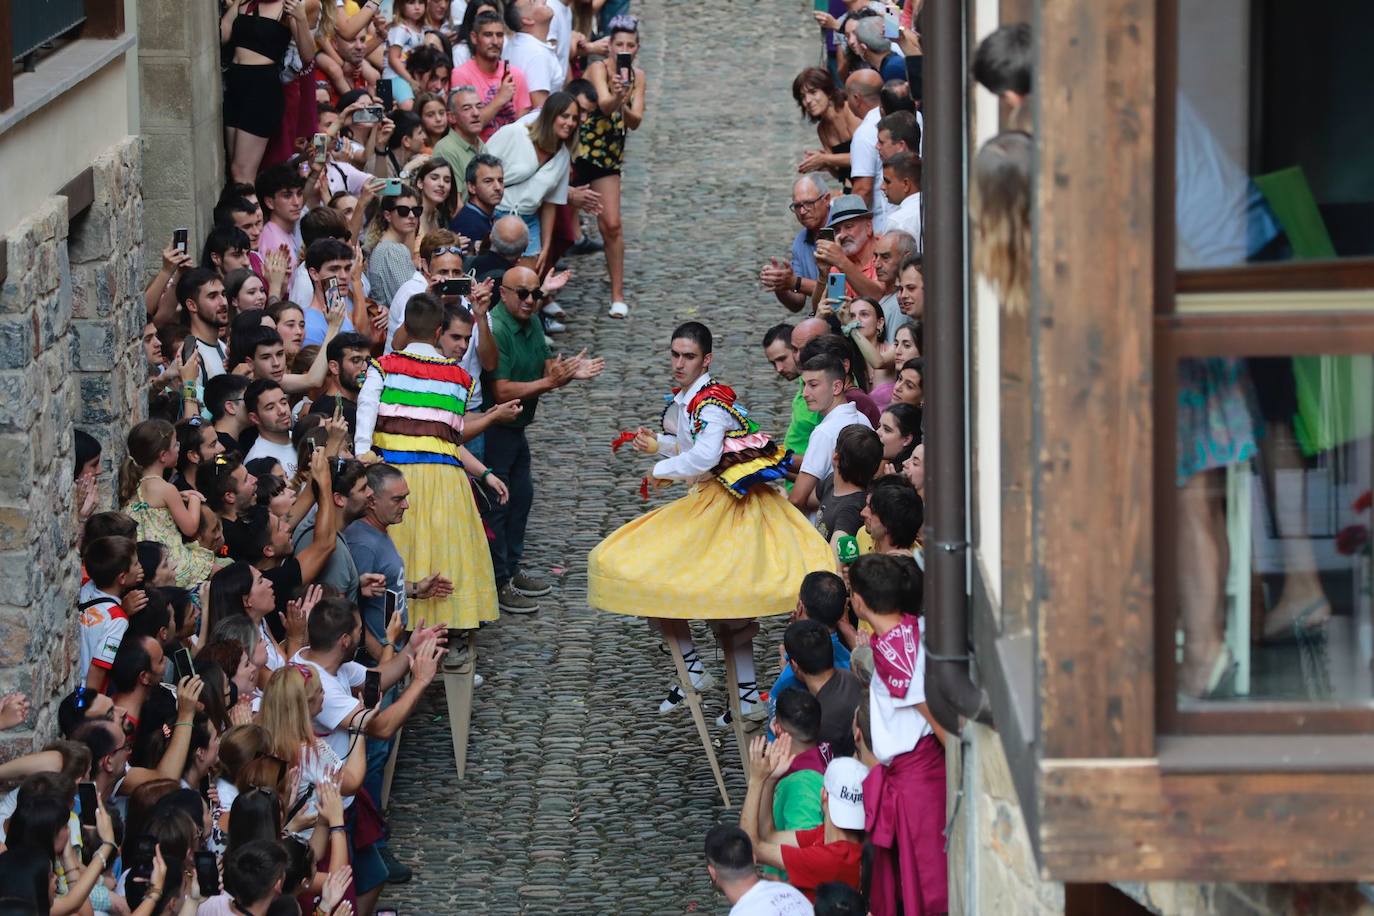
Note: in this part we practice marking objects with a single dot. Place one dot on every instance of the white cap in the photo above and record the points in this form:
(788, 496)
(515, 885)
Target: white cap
(844, 789)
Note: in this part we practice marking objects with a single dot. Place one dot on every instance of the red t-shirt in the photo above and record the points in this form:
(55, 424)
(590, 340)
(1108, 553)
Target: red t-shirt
(813, 861)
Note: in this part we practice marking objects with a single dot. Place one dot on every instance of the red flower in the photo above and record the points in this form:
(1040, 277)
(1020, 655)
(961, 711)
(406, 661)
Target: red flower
(1351, 539)
(1364, 502)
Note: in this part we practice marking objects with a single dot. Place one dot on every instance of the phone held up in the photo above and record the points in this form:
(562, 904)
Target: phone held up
(207, 874)
(179, 239)
(624, 66)
(825, 234)
(371, 115)
(182, 660)
(459, 286)
(384, 94)
(372, 689)
(834, 287)
(320, 143)
(85, 792)
(392, 188)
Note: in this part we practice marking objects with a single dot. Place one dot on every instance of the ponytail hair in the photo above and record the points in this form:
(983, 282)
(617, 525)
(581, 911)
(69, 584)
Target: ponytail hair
(147, 441)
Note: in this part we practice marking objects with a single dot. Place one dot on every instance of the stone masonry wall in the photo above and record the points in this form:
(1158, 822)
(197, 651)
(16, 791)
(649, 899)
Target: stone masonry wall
(70, 315)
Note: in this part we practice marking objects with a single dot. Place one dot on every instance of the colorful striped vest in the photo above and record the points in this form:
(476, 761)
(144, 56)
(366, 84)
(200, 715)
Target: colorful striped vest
(420, 414)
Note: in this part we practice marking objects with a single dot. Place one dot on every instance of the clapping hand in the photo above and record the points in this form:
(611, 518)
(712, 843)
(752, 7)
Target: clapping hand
(760, 767)
(370, 585)
(781, 755)
(14, 709)
(812, 161)
(434, 586)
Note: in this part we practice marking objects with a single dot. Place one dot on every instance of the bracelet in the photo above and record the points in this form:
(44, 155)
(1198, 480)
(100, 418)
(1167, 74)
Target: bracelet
(386, 644)
(339, 827)
(485, 474)
(187, 724)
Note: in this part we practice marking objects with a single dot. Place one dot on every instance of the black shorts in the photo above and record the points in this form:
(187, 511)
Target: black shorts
(254, 100)
(585, 172)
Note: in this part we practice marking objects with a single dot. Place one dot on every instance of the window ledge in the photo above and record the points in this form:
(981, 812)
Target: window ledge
(60, 73)
(1265, 753)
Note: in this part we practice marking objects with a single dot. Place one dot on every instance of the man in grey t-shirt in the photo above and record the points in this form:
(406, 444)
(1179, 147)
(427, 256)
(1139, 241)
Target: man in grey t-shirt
(352, 494)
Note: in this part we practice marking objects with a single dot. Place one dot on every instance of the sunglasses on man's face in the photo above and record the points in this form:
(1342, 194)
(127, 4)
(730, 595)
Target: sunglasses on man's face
(404, 211)
(536, 294)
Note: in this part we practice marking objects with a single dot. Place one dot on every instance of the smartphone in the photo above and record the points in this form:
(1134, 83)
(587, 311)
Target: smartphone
(301, 802)
(391, 598)
(834, 287)
(207, 874)
(303, 167)
(392, 188)
(372, 689)
(825, 234)
(179, 237)
(624, 65)
(384, 94)
(821, 6)
(372, 115)
(182, 660)
(462, 286)
(331, 291)
(85, 791)
(891, 28)
(188, 348)
(320, 142)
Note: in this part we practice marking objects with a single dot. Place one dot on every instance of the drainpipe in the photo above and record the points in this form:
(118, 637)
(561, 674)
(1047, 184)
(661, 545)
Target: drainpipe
(949, 689)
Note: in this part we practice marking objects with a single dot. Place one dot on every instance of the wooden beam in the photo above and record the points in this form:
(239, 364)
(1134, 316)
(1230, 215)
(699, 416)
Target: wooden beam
(1129, 821)
(6, 55)
(1092, 519)
(80, 193)
(104, 19)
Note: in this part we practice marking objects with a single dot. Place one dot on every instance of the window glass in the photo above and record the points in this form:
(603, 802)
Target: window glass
(1273, 521)
(1274, 147)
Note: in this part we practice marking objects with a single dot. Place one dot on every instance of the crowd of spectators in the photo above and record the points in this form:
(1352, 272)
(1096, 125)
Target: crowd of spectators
(254, 625)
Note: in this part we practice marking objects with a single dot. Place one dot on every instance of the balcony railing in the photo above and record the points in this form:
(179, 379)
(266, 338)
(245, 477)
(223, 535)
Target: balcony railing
(33, 23)
(26, 25)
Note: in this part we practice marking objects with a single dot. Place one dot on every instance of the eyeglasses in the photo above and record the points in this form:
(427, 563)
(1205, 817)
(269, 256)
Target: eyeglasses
(404, 211)
(801, 205)
(535, 294)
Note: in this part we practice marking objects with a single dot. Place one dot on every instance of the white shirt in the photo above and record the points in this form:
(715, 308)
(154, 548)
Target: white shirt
(274, 656)
(560, 31)
(472, 362)
(283, 453)
(339, 701)
(906, 217)
(864, 162)
(691, 456)
(529, 184)
(103, 624)
(211, 359)
(819, 460)
(543, 70)
(897, 724)
(772, 898)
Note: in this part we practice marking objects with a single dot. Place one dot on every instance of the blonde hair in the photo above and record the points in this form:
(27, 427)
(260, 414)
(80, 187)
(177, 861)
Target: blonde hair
(1001, 217)
(285, 710)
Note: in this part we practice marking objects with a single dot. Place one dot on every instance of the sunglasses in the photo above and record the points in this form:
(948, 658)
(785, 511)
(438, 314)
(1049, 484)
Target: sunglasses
(446, 249)
(404, 211)
(535, 295)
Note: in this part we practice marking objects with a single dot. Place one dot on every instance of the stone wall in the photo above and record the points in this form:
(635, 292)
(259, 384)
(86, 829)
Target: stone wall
(70, 315)
(179, 101)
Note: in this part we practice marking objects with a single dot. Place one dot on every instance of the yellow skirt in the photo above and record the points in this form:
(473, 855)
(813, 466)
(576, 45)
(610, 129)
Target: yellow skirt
(708, 556)
(442, 532)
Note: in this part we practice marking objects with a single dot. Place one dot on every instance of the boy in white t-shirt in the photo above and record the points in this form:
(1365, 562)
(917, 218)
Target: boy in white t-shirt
(823, 387)
(112, 563)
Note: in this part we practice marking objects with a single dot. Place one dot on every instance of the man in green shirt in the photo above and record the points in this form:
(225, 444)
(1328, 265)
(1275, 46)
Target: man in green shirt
(462, 144)
(525, 369)
(780, 346)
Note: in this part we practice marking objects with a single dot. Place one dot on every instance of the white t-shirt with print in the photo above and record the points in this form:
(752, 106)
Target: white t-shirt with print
(339, 701)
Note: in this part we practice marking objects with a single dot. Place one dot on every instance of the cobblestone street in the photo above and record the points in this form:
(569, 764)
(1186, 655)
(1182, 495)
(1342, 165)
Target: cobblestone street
(579, 797)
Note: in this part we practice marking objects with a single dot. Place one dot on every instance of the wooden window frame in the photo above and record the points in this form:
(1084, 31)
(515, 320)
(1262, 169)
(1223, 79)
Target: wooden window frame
(1179, 335)
(104, 19)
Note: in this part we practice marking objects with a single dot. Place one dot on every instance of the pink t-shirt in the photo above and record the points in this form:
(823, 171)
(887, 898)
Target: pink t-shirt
(272, 238)
(487, 86)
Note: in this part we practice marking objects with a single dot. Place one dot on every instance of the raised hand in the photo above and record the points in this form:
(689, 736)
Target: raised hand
(14, 709)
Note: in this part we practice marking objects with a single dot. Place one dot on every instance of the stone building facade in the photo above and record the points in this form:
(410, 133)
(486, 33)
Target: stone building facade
(71, 313)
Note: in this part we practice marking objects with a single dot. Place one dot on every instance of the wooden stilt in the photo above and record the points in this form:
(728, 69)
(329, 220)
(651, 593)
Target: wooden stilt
(458, 693)
(725, 638)
(693, 700)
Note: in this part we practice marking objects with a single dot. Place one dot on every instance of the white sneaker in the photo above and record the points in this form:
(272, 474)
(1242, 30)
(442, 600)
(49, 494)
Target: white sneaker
(676, 696)
(618, 310)
(553, 326)
(554, 310)
(477, 680)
